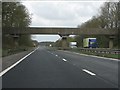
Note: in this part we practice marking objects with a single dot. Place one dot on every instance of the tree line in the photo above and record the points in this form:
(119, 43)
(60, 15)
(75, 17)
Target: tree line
(107, 18)
(15, 14)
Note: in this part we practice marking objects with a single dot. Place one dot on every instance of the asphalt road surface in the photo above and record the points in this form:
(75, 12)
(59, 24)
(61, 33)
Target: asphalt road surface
(60, 69)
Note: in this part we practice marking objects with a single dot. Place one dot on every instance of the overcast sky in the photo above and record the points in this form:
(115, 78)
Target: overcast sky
(60, 14)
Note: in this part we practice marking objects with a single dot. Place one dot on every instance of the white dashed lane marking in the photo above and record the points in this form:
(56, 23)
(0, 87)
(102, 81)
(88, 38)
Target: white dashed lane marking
(64, 59)
(89, 72)
(56, 55)
(85, 70)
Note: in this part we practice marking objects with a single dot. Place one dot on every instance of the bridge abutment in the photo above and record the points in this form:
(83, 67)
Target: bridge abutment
(64, 41)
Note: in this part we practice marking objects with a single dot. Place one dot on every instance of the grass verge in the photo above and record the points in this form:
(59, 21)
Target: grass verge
(7, 52)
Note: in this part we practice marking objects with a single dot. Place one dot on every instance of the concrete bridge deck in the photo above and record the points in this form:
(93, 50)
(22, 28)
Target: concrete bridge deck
(62, 31)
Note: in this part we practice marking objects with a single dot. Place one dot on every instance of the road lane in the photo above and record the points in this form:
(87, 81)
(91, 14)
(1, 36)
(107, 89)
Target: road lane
(44, 69)
(105, 69)
(14, 63)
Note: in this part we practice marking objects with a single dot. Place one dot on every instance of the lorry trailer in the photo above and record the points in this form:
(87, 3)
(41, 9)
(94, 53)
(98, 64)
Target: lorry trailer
(90, 43)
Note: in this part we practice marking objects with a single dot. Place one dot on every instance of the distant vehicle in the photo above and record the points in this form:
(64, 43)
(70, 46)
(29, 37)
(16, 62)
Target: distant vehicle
(73, 44)
(50, 45)
(90, 43)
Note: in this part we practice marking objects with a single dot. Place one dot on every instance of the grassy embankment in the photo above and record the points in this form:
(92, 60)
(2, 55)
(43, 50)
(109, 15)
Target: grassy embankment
(7, 52)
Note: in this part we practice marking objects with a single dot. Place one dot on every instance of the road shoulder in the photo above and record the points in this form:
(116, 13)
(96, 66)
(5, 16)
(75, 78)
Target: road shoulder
(10, 60)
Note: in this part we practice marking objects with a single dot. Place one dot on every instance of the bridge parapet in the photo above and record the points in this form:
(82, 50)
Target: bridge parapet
(61, 31)
(67, 31)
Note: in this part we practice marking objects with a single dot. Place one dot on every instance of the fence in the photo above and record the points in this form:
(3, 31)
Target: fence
(100, 50)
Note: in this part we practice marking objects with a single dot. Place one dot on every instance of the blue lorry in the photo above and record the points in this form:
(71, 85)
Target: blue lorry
(90, 43)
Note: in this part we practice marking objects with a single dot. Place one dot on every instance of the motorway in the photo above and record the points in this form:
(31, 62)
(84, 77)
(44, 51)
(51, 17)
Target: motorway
(47, 68)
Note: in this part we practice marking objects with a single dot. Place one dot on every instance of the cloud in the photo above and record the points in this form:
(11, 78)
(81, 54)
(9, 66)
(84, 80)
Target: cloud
(61, 13)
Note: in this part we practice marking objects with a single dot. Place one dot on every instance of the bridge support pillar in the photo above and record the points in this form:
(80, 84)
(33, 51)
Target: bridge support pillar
(64, 41)
(111, 41)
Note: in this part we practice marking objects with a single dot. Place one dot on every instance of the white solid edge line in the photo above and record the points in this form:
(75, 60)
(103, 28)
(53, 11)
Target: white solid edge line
(91, 73)
(96, 56)
(64, 59)
(101, 57)
(6, 70)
